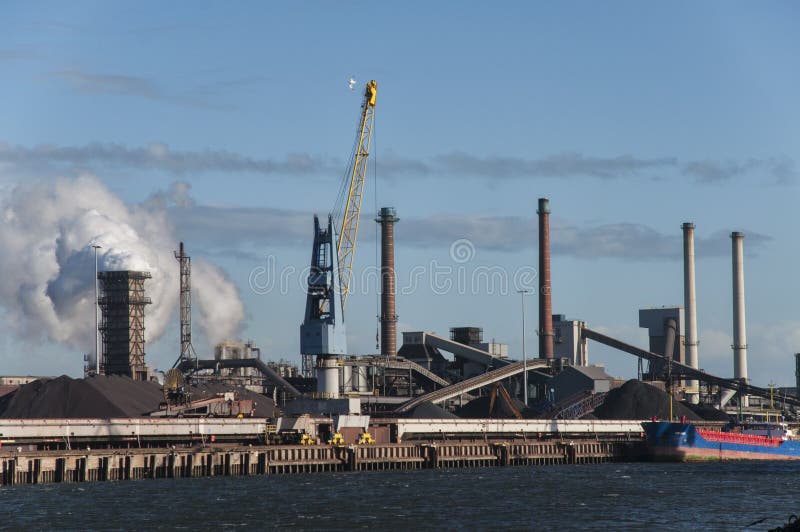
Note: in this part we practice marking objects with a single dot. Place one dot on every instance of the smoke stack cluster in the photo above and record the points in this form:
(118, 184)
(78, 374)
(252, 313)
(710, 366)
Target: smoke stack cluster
(545, 301)
(739, 328)
(690, 302)
(387, 219)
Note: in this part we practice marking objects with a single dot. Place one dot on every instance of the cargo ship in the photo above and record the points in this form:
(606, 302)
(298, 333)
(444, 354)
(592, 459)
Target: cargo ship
(683, 442)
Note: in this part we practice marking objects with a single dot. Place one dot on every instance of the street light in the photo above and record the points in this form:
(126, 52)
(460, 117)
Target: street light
(524, 353)
(96, 329)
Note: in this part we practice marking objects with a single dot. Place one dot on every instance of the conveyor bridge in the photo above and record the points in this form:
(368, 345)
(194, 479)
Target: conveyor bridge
(267, 372)
(459, 388)
(398, 362)
(473, 354)
(677, 368)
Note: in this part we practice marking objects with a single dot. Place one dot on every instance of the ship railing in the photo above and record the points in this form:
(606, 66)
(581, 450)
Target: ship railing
(733, 437)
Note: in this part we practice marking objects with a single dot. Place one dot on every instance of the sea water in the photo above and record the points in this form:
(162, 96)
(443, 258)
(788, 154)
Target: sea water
(713, 496)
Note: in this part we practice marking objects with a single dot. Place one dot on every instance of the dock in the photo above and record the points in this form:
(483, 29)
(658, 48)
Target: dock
(21, 467)
(43, 451)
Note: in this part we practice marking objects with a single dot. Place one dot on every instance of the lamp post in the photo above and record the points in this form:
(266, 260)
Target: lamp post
(96, 329)
(524, 353)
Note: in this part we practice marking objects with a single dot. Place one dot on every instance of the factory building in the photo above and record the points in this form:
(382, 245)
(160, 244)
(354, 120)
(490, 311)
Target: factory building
(472, 355)
(235, 350)
(415, 350)
(17, 380)
(473, 337)
(122, 301)
(428, 368)
(10, 383)
(665, 326)
(580, 379)
(569, 341)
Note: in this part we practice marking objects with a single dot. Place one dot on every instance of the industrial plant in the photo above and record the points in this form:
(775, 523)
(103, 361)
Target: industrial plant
(431, 400)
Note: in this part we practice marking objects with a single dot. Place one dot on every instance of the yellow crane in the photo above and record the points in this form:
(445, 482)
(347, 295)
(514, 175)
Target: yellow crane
(322, 332)
(353, 187)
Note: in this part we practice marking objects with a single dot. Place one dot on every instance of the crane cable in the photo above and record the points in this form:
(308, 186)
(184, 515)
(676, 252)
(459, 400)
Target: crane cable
(337, 213)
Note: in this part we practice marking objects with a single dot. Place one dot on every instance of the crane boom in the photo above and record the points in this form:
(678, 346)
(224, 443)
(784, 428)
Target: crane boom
(348, 232)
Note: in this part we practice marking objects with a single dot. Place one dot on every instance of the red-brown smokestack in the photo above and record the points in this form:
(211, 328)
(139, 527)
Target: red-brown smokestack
(545, 301)
(387, 219)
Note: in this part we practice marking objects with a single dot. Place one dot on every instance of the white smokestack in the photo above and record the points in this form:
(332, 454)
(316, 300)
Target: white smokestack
(739, 327)
(47, 291)
(690, 302)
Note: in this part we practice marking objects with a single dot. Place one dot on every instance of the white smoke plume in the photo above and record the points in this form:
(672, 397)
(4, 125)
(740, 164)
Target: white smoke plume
(217, 300)
(47, 290)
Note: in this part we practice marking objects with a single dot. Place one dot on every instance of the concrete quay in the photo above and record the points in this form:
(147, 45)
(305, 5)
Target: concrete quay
(19, 466)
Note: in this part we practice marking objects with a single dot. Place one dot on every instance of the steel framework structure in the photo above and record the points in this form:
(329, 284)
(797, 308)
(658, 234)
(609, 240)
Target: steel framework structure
(358, 172)
(187, 349)
(122, 301)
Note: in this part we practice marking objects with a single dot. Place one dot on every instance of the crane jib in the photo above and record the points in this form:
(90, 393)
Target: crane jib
(348, 232)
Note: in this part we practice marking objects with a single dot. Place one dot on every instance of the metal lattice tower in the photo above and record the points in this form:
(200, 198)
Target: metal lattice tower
(352, 191)
(187, 349)
(122, 301)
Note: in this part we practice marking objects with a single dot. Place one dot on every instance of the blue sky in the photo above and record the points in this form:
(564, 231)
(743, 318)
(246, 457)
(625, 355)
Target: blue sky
(631, 117)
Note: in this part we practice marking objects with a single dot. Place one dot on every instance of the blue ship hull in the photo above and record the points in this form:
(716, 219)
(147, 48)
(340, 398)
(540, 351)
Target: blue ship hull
(684, 442)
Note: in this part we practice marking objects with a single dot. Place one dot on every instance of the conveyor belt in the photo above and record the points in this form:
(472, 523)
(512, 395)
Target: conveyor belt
(265, 370)
(402, 363)
(474, 383)
(684, 370)
(464, 351)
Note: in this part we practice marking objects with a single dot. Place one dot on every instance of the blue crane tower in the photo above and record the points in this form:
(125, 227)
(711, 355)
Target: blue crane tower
(323, 331)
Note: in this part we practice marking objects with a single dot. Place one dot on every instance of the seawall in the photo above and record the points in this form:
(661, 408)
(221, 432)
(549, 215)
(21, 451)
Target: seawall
(21, 466)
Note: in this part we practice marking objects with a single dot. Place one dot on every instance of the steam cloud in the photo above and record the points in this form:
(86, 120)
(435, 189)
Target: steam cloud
(47, 262)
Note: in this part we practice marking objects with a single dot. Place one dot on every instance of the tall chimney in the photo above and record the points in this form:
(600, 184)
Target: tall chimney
(545, 299)
(690, 302)
(739, 328)
(387, 219)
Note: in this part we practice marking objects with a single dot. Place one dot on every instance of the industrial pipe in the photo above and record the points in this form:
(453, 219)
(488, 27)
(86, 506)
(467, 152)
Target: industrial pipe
(670, 327)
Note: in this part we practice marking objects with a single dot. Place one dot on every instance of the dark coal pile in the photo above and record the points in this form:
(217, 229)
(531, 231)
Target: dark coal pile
(637, 400)
(106, 397)
(429, 410)
(96, 397)
(479, 409)
(709, 413)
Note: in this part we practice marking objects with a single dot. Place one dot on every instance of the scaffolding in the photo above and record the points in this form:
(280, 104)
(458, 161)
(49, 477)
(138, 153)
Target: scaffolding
(122, 301)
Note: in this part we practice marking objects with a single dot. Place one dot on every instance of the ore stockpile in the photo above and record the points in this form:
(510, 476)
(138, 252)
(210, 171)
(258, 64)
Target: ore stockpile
(632, 400)
(481, 407)
(105, 397)
(117, 396)
(638, 400)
